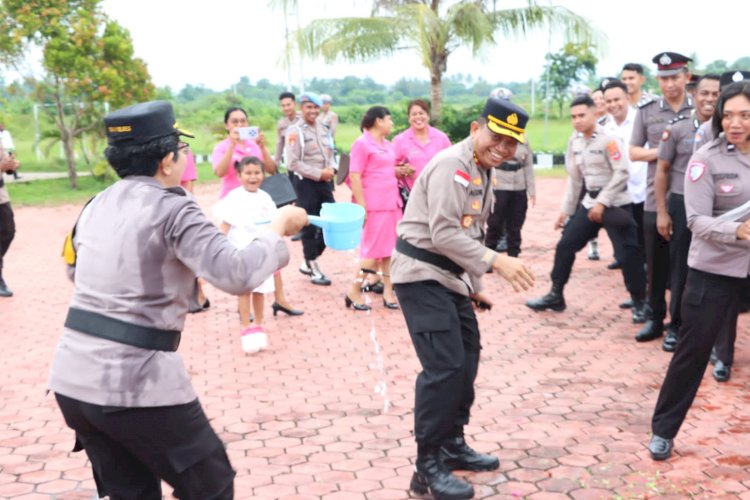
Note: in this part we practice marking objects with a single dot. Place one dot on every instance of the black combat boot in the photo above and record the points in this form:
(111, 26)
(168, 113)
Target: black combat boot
(651, 330)
(641, 311)
(432, 475)
(670, 341)
(554, 300)
(4, 290)
(457, 455)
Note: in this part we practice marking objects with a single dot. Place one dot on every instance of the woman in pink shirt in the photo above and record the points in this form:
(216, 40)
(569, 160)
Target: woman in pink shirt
(232, 150)
(374, 186)
(415, 146)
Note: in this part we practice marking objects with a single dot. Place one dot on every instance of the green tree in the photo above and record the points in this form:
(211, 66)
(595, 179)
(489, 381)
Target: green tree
(87, 58)
(573, 63)
(718, 66)
(434, 29)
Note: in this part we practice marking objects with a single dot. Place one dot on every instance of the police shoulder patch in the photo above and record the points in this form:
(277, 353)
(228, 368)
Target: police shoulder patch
(696, 169)
(665, 135)
(614, 151)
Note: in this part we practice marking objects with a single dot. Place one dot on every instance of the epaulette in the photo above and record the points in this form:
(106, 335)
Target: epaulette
(602, 120)
(677, 119)
(646, 103)
(178, 190)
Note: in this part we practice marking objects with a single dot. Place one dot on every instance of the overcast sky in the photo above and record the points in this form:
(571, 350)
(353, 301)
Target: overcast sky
(214, 43)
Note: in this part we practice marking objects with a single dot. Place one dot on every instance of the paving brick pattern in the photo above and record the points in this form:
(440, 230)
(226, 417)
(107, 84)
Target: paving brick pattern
(564, 399)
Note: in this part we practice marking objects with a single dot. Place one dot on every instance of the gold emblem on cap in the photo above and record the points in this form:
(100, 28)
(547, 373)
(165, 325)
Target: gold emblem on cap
(121, 128)
(737, 77)
(513, 119)
(665, 60)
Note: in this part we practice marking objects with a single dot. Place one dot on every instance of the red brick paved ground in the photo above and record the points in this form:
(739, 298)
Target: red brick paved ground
(564, 400)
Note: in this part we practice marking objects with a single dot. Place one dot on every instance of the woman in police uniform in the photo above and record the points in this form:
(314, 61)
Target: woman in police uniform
(717, 200)
(117, 378)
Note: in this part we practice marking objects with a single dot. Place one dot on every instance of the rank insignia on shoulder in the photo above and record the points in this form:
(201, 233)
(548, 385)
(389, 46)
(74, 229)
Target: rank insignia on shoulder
(696, 170)
(466, 221)
(665, 135)
(614, 151)
(462, 178)
(645, 102)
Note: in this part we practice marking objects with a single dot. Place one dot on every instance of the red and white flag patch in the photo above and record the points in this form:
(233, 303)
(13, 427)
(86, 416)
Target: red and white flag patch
(462, 178)
(696, 170)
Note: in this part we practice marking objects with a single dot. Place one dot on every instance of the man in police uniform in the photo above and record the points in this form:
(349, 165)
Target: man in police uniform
(674, 152)
(513, 184)
(133, 257)
(705, 133)
(8, 165)
(437, 270)
(309, 154)
(596, 164)
(288, 105)
(650, 122)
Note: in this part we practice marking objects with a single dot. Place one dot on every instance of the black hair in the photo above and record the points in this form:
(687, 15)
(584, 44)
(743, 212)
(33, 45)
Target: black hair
(583, 100)
(709, 76)
(616, 84)
(247, 160)
(633, 67)
(287, 95)
(421, 103)
(731, 90)
(232, 110)
(141, 159)
(372, 114)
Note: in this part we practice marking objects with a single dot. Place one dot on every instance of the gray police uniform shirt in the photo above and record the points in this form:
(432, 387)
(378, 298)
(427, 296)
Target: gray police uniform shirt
(650, 122)
(599, 164)
(308, 149)
(518, 180)
(717, 180)
(676, 147)
(281, 127)
(703, 135)
(139, 248)
(447, 210)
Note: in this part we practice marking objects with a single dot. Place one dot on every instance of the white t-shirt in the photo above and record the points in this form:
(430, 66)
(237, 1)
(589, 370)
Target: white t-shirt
(637, 170)
(247, 213)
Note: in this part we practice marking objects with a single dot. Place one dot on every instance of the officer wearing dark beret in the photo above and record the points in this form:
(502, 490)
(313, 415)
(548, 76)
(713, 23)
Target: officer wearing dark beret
(437, 269)
(133, 257)
(653, 117)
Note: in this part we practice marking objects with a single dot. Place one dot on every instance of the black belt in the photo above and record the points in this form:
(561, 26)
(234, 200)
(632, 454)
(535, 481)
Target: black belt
(435, 259)
(594, 193)
(510, 166)
(104, 327)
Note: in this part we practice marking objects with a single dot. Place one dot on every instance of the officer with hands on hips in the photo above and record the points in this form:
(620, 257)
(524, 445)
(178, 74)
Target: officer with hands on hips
(133, 256)
(437, 270)
(596, 164)
(717, 202)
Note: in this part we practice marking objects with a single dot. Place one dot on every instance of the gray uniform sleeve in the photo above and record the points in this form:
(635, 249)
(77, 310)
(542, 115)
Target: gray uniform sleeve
(446, 201)
(279, 143)
(619, 181)
(699, 204)
(529, 171)
(667, 146)
(209, 254)
(639, 135)
(575, 181)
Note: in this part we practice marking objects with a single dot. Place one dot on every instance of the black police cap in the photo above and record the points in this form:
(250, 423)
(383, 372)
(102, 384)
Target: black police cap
(506, 118)
(670, 63)
(606, 81)
(141, 123)
(733, 76)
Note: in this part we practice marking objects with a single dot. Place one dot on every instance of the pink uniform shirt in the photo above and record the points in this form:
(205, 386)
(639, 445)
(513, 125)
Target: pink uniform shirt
(375, 162)
(409, 150)
(243, 149)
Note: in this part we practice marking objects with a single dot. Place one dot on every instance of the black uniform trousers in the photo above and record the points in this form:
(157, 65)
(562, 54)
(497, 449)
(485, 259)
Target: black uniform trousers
(637, 209)
(7, 230)
(132, 449)
(657, 262)
(310, 196)
(710, 304)
(679, 246)
(579, 230)
(509, 213)
(445, 334)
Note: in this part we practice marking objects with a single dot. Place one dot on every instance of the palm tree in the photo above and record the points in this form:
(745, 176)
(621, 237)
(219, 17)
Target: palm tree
(435, 29)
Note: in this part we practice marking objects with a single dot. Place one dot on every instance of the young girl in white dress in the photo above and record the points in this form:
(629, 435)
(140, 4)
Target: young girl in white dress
(243, 213)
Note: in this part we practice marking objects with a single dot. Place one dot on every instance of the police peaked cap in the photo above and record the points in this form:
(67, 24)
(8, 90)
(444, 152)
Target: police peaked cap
(733, 76)
(670, 63)
(141, 123)
(506, 118)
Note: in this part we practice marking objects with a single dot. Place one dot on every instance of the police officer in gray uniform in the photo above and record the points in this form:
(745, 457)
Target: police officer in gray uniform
(595, 164)
(133, 257)
(437, 270)
(9, 165)
(674, 151)
(309, 154)
(717, 202)
(650, 122)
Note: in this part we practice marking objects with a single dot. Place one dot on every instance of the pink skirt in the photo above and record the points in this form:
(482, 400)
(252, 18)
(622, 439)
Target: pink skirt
(379, 234)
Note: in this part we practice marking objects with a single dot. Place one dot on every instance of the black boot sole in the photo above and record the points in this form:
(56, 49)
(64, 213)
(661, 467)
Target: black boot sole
(420, 486)
(473, 468)
(546, 308)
